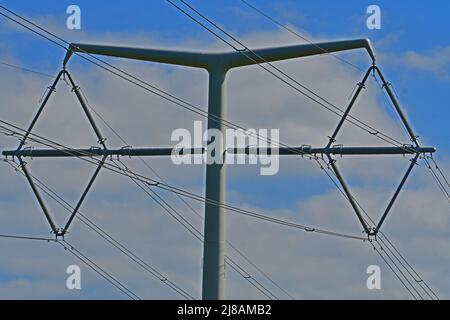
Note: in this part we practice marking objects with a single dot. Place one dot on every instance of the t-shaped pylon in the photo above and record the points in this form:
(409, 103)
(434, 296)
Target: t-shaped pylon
(217, 65)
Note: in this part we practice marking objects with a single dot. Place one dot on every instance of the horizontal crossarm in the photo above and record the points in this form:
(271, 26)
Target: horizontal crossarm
(285, 151)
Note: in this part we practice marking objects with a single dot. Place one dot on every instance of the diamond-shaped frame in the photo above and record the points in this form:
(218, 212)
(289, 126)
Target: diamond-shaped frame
(60, 232)
(332, 162)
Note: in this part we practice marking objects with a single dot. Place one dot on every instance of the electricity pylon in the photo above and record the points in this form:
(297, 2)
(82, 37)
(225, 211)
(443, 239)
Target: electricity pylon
(218, 65)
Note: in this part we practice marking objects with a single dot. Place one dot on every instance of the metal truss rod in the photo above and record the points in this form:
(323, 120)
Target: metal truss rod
(348, 194)
(36, 192)
(51, 89)
(85, 107)
(388, 87)
(83, 196)
(394, 197)
(361, 86)
(159, 152)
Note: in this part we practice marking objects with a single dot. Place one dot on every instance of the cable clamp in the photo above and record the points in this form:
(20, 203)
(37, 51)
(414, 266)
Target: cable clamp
(31, 151)
(23, 141)
(63, 78)
(407, 147)
(95, 149)
(372, 235)
(152, 184)
(22, 165)
(76, 88)
(60, 232)
(247, 149)
(305, 147)
(127, 148)
(386, 84)
(340, 146)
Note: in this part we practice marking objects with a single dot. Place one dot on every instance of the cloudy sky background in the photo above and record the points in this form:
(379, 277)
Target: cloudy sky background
(414, 55)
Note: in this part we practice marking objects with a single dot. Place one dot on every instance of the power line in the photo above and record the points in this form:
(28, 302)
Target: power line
(392, 269)
(376, 133)
(184, 201)
(180, 191)
(345, 196)
(107, 237)
(190, 207)
(78, 254)
(419, 278)
(9, 236)
(311, 230)
(250, 279)
(440, 171)
(438, 181)
(25, 69)
(140, 83)
(259, 60)
(307, 230)
(186, 105)
(292, 31)
(95, 267)
(261, 271)
(381, 238)
(195, 232)
(184, 2)
(83, 217)
(286, 75)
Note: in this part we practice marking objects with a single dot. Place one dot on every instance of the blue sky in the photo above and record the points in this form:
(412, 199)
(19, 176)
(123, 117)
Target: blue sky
(415, 26)
(413, 48)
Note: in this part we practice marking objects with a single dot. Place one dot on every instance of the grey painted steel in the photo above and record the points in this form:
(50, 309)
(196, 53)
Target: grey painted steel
(217, 65)
(51, 89)
(83, 196)
(85, 107)
(161, 152)
(57, 231)
(361, 86)
(349, 195)
(228, 59)
(38, 196)
(387, 86)
(397, 192)
(213, 283)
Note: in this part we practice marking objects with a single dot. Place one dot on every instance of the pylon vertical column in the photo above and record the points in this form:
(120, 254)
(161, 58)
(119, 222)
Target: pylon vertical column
(213, 286)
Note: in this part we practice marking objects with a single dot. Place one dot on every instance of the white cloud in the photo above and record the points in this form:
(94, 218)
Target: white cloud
(308, 265)
(436, 61)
